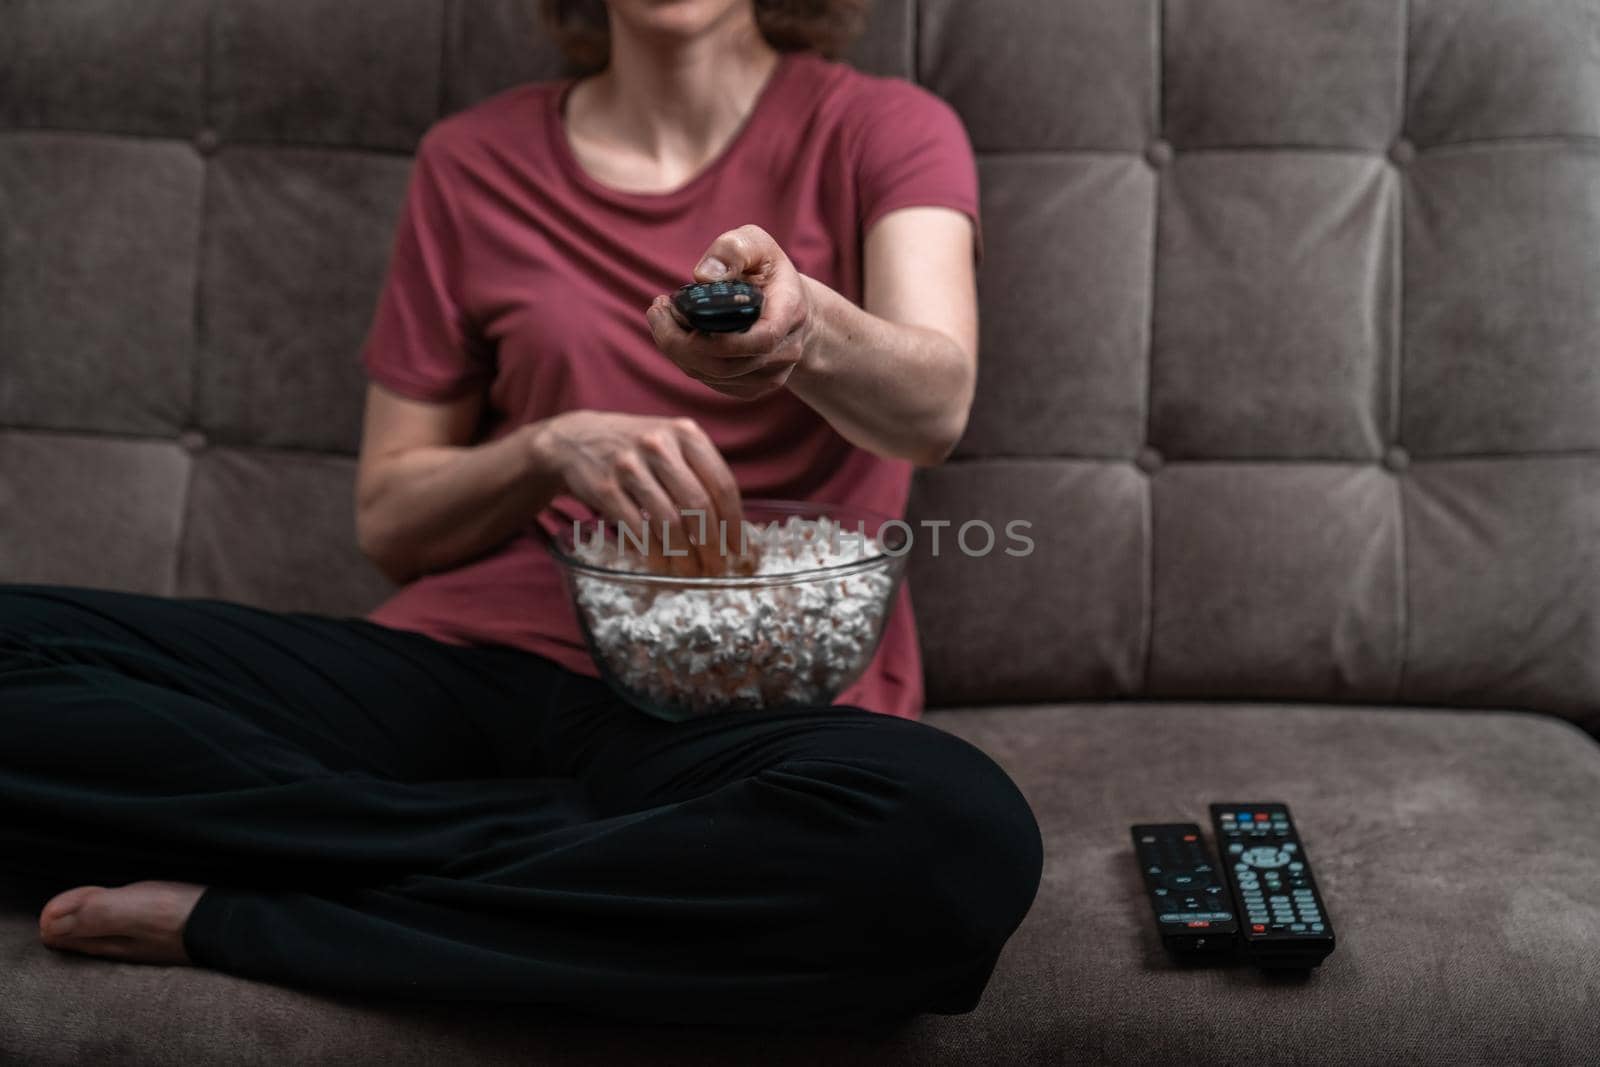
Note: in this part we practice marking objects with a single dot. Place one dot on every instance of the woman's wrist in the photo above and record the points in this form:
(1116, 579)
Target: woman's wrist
(540, 466)
(816, 348)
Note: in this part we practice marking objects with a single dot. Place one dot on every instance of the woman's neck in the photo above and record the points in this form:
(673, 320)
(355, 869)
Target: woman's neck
(668, 105)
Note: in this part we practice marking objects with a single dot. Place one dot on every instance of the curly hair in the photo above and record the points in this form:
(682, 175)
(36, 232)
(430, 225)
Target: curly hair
(827, 26)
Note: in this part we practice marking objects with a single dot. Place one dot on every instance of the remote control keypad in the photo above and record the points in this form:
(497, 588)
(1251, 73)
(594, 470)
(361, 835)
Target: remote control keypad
(1275, 888)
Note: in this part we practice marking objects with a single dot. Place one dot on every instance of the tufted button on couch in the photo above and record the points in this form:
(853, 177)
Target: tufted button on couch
(1291, 357)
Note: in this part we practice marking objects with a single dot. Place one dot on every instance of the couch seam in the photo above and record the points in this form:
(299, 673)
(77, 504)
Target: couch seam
(1219, 461)
(1158, 110)
(234, 143)
(915, 58)
(439, 93)
(996, 457)
(1583, 142)
(1402, 549)
(191, 420)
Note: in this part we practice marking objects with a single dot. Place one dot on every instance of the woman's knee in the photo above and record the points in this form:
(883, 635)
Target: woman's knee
(987, 858)
(957, 862)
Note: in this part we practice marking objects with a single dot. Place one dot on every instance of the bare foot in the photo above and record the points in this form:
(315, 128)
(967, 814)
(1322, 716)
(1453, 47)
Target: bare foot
(141, 922)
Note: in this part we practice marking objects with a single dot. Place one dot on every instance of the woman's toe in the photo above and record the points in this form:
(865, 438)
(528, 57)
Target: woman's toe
(61, 916)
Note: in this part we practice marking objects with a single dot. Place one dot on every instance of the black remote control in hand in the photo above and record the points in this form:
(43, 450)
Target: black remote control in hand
(718, 307)
(1283, 922)
(1193, 912)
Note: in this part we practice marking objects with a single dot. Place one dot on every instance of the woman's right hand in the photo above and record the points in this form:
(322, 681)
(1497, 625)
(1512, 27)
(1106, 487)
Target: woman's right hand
(630, 468)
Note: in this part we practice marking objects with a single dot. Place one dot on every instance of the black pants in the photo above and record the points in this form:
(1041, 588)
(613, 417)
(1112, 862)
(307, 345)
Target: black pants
(378, 812)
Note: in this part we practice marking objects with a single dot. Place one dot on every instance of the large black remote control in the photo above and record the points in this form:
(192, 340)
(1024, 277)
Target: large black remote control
(718, 307)
(1284, 923)
(1193, 913)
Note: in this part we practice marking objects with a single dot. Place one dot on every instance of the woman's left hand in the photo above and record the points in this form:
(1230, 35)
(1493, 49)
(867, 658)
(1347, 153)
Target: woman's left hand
(760, 360)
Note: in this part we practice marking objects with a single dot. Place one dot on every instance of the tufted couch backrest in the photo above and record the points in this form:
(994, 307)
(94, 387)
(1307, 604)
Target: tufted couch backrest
(1291, 343)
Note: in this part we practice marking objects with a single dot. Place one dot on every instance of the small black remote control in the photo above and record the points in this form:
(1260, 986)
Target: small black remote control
(719, 307)
(1284, 923)
(1193, 912)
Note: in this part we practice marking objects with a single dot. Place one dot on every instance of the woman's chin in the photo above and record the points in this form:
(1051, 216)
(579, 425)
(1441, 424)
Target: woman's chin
(681, 19)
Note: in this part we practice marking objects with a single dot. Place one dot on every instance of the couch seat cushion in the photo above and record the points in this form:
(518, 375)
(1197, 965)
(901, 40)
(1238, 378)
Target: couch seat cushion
(1458, 853)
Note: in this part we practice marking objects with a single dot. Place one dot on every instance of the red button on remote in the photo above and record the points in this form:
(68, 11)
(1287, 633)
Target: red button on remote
(1258, 928)
(1199, 922)
(1190, 837)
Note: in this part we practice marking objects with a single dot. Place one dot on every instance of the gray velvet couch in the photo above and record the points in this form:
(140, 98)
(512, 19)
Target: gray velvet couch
(1291, 355)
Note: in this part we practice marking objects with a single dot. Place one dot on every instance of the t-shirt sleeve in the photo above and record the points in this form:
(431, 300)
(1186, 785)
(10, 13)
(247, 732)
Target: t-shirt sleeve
(420, 343)
(913, 151)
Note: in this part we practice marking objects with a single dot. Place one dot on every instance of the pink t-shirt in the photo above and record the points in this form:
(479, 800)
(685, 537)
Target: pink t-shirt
(516, 272)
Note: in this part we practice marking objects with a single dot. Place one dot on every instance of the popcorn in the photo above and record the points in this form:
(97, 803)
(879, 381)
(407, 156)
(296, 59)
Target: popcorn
(691, 651)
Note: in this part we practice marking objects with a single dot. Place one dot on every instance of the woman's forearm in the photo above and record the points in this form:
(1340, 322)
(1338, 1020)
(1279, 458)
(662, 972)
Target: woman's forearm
(428, 509)
(893, 389)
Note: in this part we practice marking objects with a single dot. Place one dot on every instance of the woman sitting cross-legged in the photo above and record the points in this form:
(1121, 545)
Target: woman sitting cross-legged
(441, 800)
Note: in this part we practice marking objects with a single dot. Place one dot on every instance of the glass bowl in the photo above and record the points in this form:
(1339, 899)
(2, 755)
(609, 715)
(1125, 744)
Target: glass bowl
(793, 634)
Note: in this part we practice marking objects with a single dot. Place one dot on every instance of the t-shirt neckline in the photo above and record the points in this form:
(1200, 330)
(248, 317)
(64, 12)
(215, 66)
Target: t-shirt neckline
(568, 159)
